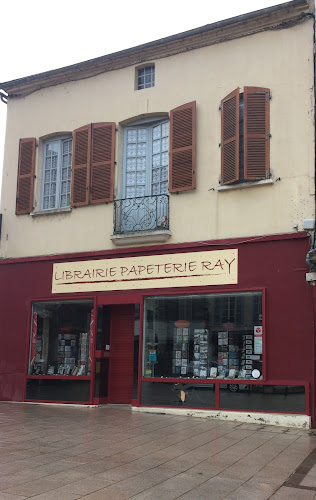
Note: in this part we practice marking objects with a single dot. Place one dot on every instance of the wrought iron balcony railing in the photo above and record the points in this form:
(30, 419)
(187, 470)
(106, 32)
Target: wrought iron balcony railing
(146, 213)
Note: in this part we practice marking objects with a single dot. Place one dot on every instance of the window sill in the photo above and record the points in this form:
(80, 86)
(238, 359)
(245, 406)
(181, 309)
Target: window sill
(144, 237)
(245, 185)
(51, 212)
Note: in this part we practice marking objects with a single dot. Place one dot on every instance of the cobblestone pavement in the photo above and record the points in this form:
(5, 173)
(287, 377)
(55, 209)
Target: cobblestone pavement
(50, 452)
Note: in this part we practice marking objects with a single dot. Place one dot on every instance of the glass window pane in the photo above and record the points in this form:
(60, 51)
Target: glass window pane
(142, 135)
(204, 336)
(58, 390)
(251, 397)
(141, 149)
(157, 132)
(165, 129)
(146, 77)
(57, 166)
(165, 144)
(59, 341)
(156, 160)
(178, 394)
(141, 163)
(131, 150)
(164, 188)
(131, 135)
(131, 164)
(156, 146)
(140, 191)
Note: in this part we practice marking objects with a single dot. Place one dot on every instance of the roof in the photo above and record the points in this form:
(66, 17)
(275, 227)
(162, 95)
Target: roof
(277, 17)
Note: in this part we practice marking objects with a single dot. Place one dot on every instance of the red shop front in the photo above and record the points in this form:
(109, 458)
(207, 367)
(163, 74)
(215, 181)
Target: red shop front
(220, 325)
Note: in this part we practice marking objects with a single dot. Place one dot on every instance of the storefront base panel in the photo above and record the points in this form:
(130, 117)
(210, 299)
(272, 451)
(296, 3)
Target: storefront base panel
(282, 420)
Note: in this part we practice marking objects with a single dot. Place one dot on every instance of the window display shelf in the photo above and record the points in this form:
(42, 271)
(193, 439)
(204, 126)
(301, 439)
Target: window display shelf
(210, 380)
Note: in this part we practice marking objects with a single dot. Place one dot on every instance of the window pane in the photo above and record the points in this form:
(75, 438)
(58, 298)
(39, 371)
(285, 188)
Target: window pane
(142, 135)
(141, 149)
(58, 390)
(204, 336)
(178, 394)
(146, 77)
(157, 132)
(250, 397)
(141, 163)
(57, 168)
(60, 338)
(131, 164)
(131, 135)
(160, 161)
(131, 150)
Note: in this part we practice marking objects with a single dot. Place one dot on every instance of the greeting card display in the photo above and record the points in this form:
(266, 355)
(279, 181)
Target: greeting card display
(180, 351)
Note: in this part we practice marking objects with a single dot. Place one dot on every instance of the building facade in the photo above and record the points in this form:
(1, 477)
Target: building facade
(152, 243)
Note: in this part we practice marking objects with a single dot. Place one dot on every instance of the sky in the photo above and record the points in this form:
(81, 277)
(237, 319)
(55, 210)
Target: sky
(37, 35)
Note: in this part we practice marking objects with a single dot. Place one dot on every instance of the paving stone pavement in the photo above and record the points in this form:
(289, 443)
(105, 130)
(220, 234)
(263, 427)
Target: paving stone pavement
(50, 452)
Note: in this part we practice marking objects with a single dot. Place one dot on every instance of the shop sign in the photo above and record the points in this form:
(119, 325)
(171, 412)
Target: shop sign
(182, 323)
(217, 267)
(257, 339)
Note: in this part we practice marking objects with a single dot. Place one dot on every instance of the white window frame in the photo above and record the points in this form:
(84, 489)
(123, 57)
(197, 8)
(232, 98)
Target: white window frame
(59, 141)
(148, 123)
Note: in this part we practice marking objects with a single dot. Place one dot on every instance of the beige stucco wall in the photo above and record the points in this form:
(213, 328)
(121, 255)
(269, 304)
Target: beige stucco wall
(279, 60)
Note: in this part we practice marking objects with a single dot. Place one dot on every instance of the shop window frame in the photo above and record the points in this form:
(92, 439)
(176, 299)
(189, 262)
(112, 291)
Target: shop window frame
(207, 291)
(217, 382)
(90, 377)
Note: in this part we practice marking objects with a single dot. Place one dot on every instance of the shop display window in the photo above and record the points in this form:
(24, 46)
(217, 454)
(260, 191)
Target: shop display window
(59, 339)
(215, 336)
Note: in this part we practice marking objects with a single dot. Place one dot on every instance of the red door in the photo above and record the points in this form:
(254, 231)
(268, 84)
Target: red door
(121, 354)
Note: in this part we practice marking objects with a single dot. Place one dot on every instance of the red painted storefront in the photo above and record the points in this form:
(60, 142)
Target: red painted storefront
(273, 265)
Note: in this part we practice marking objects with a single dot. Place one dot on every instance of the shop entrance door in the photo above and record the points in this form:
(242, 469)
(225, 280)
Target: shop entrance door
(122, 354)
(114, 355)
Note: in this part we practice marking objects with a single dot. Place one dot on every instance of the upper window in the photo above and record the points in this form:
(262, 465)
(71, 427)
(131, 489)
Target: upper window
(245, 136)
(146, 160)
(145, 77)
(56, 177)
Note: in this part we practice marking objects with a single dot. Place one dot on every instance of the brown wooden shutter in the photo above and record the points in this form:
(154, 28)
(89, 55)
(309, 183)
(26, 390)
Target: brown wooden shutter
(80, 181)
(26, 172)
(102, 162)
(182, 155)
(256, 133)
(230, 138)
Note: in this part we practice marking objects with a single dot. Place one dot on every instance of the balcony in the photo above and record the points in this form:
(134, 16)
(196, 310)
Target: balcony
(144, 219)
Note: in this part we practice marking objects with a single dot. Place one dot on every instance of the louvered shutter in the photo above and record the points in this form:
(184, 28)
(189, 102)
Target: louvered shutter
(182, 159)
(102, 162)
(80, 180)
(230, 138)
(26, 171)
(256, 133)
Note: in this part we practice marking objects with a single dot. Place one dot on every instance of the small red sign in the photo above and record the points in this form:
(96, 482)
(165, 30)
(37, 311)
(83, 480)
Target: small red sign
(258, 331)
(182, 323)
